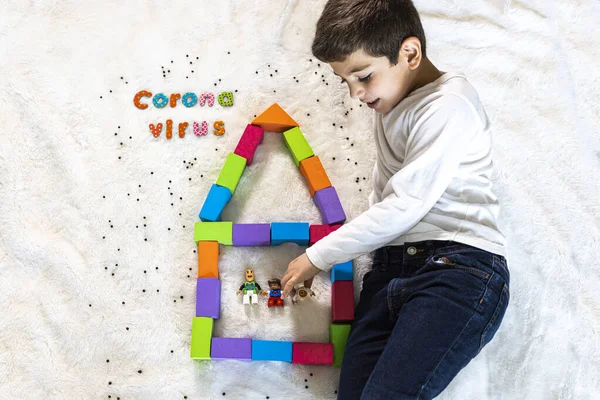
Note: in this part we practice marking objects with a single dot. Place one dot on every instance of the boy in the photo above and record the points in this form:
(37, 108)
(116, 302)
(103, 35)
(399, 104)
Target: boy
(439, 286)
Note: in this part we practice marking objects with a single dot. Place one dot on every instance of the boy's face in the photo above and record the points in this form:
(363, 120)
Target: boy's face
(374, 81)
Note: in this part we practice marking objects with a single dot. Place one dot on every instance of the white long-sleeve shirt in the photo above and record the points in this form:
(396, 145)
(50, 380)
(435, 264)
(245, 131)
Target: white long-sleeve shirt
(431, 179)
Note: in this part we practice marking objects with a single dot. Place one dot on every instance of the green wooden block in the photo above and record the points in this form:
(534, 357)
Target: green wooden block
(296, 142)
(202, 328)
(221, 232)
(338, 334)
(232, 172)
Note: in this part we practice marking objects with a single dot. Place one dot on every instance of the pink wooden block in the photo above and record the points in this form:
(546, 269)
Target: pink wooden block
(253, 136)
(312, 353)
(318, 232)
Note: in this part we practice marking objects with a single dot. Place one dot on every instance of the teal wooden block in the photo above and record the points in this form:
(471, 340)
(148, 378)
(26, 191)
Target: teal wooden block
(271, 350)
(342, 272)
(215, 202)
(295, 232)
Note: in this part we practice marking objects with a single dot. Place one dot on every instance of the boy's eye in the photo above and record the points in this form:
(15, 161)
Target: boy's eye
(365, 79)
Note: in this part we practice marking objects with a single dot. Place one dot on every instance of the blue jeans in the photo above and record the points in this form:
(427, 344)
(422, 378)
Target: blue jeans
(426, 309)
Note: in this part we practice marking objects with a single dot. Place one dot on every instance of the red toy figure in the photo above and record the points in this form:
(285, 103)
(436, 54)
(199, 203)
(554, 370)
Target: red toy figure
(275, 293)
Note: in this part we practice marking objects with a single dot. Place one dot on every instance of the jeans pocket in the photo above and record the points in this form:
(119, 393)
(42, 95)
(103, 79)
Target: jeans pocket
(494, 323)
(455, 262)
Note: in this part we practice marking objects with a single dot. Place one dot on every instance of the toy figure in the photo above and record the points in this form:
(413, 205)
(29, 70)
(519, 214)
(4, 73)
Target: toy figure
(275, 293)
(250, 289)
(301, 293)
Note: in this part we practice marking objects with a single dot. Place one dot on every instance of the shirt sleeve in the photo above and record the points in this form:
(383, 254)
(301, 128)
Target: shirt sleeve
(437, 142)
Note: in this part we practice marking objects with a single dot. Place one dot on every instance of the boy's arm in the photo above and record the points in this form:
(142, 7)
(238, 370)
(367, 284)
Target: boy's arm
(437, 143)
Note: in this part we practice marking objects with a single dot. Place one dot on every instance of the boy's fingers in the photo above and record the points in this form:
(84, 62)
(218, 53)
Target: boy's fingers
(285, 278)
(288, 287)
(308, 283)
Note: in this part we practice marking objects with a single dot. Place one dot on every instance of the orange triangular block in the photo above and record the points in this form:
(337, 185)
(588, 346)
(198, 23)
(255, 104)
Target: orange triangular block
(274, 119)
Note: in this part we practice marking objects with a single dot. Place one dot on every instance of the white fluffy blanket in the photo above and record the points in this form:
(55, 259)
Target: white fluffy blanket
(97, 258)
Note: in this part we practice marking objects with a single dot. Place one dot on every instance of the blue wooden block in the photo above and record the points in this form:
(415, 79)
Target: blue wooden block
(295, 232)
(215, 202)
(271, 350)
(342, 272)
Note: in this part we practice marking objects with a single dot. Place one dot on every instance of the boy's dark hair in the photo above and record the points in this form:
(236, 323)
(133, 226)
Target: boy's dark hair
(376, 26)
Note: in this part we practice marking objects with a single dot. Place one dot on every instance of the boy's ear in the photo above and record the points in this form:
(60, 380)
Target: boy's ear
(410, 51)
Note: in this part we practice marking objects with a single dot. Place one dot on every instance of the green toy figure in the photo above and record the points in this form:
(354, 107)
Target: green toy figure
(251, 289)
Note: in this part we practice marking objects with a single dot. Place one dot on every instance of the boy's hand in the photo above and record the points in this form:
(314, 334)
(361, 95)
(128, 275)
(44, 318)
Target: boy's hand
(300, 269)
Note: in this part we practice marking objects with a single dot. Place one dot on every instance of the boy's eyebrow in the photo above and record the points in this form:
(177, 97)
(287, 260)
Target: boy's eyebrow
(356, 69)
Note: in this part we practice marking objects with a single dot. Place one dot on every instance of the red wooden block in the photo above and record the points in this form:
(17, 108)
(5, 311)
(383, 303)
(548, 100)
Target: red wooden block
(312, 353)
(318, 232)
(342, 301)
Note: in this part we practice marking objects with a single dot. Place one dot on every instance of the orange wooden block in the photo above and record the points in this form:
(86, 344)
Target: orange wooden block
(208, 256)
(312, 169)
(274, 119)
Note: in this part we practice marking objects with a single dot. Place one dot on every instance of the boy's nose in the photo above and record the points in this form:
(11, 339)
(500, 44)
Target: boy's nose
(356, 93)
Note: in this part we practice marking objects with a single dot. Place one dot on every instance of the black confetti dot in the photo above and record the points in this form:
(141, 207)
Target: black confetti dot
(107, 360)
(90, 305)
(139, 371)
(109, 382)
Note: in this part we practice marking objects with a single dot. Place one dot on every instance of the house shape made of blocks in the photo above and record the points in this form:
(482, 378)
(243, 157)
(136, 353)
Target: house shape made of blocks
(211, 231)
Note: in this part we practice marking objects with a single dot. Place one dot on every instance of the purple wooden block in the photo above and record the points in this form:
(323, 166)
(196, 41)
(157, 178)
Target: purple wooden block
(329, 204)
(231, 349)
(208, 297)
(251, 234)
